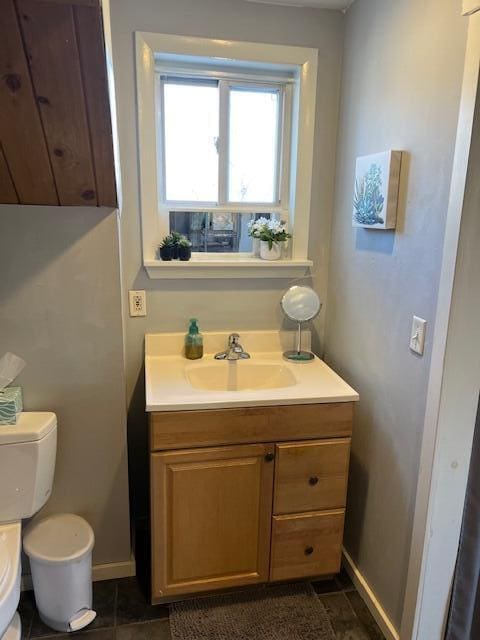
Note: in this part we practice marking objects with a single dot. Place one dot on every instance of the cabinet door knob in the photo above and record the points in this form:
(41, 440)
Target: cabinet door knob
(313, 480)
(269, 456)
(308, 551)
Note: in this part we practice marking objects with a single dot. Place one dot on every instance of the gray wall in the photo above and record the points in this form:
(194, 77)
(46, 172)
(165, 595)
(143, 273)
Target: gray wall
(403, 66)
(61, 311)
(220, 304)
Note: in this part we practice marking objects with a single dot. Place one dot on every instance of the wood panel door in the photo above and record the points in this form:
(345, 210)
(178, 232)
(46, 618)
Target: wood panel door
(211, 518)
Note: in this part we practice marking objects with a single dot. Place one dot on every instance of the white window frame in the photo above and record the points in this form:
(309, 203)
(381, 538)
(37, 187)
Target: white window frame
(225, 85)
(299, 117)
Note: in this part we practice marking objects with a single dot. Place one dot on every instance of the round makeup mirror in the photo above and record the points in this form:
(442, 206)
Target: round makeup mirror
(300, 304)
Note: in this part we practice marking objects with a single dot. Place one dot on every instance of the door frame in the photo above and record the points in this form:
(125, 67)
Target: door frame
(453, 391)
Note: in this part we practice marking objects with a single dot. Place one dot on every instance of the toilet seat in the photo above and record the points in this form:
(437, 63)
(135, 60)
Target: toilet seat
(4, 562)
(10, 572)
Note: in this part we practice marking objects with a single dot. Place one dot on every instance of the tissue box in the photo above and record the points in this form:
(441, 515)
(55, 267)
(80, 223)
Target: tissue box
(11, 404)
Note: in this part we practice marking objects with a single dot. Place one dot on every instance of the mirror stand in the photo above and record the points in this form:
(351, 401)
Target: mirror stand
(298, 354)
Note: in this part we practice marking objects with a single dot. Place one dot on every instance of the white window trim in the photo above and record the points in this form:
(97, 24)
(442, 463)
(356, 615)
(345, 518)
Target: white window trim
(304, 62)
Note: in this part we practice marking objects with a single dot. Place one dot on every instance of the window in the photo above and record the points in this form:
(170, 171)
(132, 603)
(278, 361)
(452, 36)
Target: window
(224, 142)
(225, 136)
(191, 134)
(254, 143)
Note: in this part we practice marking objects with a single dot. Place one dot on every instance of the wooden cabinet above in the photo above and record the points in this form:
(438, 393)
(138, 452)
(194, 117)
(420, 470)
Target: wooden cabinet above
(56, 144)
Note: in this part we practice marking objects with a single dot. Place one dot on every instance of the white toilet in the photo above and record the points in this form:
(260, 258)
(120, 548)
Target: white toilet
(27, 464)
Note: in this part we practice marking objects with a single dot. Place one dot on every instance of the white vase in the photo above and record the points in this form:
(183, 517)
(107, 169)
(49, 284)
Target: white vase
(256, 247)
(275, 253)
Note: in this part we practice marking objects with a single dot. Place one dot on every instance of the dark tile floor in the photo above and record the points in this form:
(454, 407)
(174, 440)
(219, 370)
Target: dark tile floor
(124, 614)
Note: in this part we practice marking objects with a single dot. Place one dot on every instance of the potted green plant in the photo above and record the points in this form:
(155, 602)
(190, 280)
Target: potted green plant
(184, 249)
(176, 237)
(167, 248)
(273, 235)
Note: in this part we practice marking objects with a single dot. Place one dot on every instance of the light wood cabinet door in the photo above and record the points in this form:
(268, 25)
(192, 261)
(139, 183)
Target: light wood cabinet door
(211, 518)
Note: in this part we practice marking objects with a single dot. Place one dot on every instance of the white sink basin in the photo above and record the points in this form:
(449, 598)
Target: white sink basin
(240, 375)
(173, 383)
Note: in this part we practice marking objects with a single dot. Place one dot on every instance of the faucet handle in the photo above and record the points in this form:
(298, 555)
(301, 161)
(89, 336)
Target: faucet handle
(233, 339)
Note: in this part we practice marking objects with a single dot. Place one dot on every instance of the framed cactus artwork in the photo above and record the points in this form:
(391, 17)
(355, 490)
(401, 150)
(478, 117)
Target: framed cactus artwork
(377, 181)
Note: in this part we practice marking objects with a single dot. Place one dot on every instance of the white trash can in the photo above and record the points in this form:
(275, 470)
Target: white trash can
(60, 553)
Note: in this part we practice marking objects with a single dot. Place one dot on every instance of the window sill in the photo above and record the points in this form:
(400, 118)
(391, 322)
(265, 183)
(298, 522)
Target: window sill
(211, 266)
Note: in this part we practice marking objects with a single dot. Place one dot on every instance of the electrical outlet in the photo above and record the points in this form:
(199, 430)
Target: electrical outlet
(138, 303)
(417, 336)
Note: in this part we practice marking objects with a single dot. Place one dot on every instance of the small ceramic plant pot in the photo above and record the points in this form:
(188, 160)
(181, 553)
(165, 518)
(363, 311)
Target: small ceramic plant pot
(275, 253)
(166, 253)
(184, 253)
(256, 247)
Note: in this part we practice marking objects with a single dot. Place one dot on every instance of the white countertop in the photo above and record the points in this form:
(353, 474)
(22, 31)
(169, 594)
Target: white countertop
(167, 387)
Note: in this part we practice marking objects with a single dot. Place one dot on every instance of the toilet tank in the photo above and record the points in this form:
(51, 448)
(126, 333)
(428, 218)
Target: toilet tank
(27, 464)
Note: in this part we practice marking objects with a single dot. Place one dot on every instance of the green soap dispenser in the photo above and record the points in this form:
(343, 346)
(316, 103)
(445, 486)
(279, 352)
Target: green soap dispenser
(193, 342)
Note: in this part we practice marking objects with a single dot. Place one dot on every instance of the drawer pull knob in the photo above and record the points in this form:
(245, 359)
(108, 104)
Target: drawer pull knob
(269, 457)
(308, 551)
(313, 480)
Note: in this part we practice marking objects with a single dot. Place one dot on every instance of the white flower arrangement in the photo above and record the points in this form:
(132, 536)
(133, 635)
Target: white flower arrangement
(255, 227)
(275, 226)
(274, 231)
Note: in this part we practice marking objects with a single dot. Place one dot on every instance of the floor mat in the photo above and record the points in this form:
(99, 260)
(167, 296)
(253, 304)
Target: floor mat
(287, 612)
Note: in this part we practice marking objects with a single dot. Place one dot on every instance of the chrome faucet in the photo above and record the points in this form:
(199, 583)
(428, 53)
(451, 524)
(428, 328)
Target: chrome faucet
(235, 350)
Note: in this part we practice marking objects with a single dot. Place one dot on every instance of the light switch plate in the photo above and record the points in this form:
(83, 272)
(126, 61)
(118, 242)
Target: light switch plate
(138, 303)
(417, 336)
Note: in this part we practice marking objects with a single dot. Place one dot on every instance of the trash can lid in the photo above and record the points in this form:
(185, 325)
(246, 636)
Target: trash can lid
(58, 538)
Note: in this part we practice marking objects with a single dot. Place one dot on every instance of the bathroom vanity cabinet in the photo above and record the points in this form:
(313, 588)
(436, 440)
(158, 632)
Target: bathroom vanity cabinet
(247, 495)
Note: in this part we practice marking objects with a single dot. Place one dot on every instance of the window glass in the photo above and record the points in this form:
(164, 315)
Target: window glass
(253, 145)
(216, 232)
(191, 117)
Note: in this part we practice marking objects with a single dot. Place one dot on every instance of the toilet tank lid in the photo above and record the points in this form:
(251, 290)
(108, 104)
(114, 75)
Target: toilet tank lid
(31, 426)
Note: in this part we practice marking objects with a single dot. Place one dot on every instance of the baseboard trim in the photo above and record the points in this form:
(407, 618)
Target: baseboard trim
(108, 571)
(112, 570)
(363, 588)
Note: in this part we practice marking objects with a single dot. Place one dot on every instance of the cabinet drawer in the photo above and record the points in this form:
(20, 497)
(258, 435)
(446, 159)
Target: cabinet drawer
(310, 476)
(307, 544)
(192, 429)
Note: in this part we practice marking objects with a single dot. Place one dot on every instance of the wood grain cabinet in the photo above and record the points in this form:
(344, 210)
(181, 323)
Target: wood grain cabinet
(56, 145)
(240, 514)
(211, 517)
